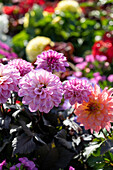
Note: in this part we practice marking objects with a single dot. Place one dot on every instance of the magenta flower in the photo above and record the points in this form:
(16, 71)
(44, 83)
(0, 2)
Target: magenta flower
(82, 65)
(41, 90)
(101, 58)
(28, 165)
(96, 74)
(2, 164)
(71, 168)
(78, 59)
(6, 52)
(4, 46)
(77, 90)
(51, 60)
(9, 78)
(77, 74)
(90, 58)
(23, 66)
(110, 78)
(14, 167)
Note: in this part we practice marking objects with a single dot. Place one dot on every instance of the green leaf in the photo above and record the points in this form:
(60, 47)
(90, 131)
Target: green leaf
(20, 38)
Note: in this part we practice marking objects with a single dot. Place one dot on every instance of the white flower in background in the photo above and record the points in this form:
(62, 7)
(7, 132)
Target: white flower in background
(4, 23)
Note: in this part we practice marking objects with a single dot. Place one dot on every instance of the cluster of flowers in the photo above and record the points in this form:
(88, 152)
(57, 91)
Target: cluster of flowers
(104, 47)
(27, 164)
(42, 90)
(90, 63)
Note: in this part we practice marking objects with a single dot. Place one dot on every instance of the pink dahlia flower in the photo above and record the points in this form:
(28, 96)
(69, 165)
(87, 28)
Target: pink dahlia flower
(97, 113)
(41, 90)
(23, 66)
(51, 60)
(9, 78)
(77, 90)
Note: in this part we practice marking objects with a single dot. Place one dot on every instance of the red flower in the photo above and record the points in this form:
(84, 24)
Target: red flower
(103, 48)
(49, 9)
(22, 7)
(108, 36)
(9, 10)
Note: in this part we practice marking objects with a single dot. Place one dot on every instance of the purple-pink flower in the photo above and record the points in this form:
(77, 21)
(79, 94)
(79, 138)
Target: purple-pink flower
(77, 90)
(78, 59)
(6, 52)
(4, 46)
(101, 58)
(9, 78)
(41, 90)
(90, 58)
(2, 164)
(82, 65)
(110, 78)
(28, 165)
(71, 168)
(52, 60)
(23, 66)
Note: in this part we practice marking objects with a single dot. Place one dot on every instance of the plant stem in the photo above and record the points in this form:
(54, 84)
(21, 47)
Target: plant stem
(104, 134)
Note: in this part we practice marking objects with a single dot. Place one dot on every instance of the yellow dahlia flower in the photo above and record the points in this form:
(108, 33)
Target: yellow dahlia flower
(36, 46)
(68, 5)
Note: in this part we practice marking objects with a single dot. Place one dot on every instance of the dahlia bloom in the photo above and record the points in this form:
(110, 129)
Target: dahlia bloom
(9, 78)
(97, 113)
(23, 66)
(36, 46)
(77, 90)
(51, 60)
(41, 90)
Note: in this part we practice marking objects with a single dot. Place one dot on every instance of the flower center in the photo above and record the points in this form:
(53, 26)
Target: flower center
(51, 60)
(92, 107)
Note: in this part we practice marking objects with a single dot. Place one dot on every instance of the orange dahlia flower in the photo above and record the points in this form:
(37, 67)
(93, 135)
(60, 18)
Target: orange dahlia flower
(97, 113)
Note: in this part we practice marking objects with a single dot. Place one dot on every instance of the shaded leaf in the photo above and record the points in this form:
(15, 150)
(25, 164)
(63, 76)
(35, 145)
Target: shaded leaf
(65, 157)
(60, 139)
(106, 146)
(25, 128)
(23, 144)
(50, 159)
(4, 122)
